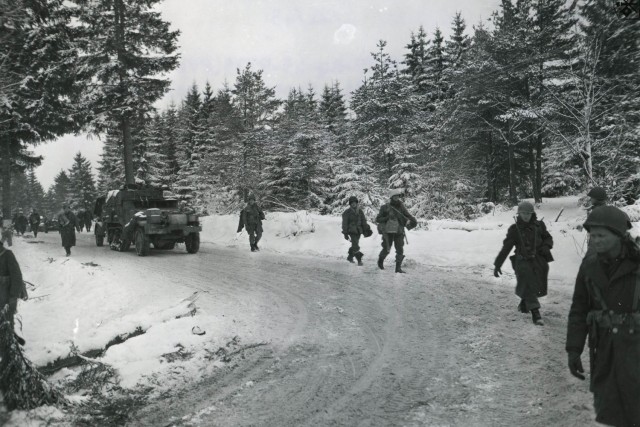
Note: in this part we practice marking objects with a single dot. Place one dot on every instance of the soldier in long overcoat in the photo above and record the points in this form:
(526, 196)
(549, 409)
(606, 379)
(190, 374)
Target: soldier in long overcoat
(354, 225)
(251, 218)
(530, 263)
(20, 223)
(87, 219)
(68, 223)
(606, 309)
(34, 221)
(11, 285)
(392, 220)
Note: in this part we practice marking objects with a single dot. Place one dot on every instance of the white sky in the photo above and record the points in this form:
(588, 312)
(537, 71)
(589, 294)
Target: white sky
(295, 42)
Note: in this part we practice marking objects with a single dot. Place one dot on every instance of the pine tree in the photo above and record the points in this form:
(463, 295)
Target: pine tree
(61, 190)
(35, 192)
(124, 82)
(189, 146)
(110, 165)
(83, 189)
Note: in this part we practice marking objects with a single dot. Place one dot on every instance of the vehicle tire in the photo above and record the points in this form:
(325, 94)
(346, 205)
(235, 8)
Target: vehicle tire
(142, 243)
(192, 243)
(99, 239)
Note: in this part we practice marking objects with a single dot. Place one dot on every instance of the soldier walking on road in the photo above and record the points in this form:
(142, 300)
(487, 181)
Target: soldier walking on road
(606, 308)
(68, 223)
(597, 197)
(34, 221)
(251, 218)
(533, 245)
(392, 219)
(20, 223)
(354, 225)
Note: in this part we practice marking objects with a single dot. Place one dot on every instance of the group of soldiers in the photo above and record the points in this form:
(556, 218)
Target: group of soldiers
(20, 222)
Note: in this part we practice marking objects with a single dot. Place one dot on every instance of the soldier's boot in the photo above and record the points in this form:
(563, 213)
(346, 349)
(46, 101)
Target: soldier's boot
(381, 258)
(359, 258)
(68, 251)
(536, 317)
(350, 255)
(522, 307)
(253, 247)
(399, 265)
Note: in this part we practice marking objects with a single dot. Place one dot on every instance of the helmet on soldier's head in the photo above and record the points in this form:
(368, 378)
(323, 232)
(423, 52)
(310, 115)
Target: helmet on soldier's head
(598, 193)
(610, 218)
(353, 199)
(396, 192)
(525, 207)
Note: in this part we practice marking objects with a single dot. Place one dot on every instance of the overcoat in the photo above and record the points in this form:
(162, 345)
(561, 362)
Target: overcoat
(251, 217)
(354, 221)
(533, 245)
(11, 285)
(68, 223)
(614, 349)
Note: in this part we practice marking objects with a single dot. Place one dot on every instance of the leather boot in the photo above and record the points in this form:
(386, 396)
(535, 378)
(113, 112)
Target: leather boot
(381, 261)
(399, 265)
(350, 256)
(536, 317)
(253, 247)
(359, 258)
(522, 307)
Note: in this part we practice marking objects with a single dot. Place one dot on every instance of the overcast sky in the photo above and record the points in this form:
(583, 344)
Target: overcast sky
(295, 43)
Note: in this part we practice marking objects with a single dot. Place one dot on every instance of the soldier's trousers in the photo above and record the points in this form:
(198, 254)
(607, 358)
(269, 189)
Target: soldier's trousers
(355, 245)
(389, 240)
(254, 235)
(34, 228)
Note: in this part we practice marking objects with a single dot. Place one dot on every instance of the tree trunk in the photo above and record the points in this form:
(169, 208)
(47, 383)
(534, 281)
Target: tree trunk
(128, 151)
(537, 188)
(491, 177)
(6, 179)
(513, 194)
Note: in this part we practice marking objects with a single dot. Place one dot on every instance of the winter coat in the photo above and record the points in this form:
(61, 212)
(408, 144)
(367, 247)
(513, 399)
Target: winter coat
(354, 222)
(11, 285)
(398, 212)
(614, 348)
(20, 222)
(533, 245)
(68, 223)
(34, 219)
(251, 217)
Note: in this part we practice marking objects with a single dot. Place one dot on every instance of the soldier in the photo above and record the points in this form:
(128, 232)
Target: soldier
(68, 223)
(392, 219)
(354, 224)
(80, 216)
(87, 220)
(597, 197)
(533, 245)
(605, 308)
(11, 285)
(251, 218)
(34, 221)
(20, 223)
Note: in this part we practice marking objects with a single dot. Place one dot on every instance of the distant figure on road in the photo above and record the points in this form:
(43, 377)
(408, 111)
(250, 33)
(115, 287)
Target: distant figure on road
(11, 285)
(354, 225)
(533, 245)
(20, 223)
(605, 307)
(68, 223)
(251, 218)
(392, 220)
(87, 219)
(34, 222)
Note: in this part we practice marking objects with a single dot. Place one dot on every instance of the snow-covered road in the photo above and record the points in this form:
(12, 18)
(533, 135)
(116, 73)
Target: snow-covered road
(346, 345)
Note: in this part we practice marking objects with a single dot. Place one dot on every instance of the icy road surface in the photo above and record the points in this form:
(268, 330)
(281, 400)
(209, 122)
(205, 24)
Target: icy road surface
(356, 346)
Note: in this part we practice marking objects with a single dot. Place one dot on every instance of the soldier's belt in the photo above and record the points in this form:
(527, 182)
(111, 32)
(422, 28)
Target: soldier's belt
(609, 320)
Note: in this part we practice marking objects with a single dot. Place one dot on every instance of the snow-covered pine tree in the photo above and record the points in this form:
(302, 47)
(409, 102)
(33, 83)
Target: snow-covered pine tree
(83, 188)
(35, 191)
(37, 59)
(61, 191)
(415, 60)
(190, 135)
(110, 165)
(154, 156)
(125, 82)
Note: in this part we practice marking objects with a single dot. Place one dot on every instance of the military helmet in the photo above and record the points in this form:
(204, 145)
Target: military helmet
(525, 207)
(353, 199)
(610, 218)
(598, 193)
(396, 192)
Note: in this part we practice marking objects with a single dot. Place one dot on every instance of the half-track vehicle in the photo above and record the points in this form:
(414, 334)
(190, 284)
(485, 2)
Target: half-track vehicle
(144, 216)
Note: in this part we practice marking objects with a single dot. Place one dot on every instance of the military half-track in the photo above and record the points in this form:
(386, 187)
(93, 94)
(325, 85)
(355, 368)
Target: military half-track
(144, 216)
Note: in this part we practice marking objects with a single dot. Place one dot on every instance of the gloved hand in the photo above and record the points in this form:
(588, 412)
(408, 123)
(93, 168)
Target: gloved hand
(496, 271)
(346, 236)
(575, 365)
